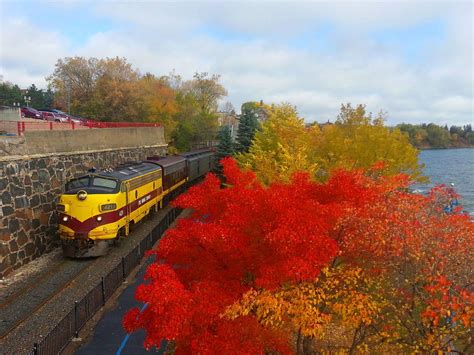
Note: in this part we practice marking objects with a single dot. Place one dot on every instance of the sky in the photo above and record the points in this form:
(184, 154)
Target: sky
(412, 59)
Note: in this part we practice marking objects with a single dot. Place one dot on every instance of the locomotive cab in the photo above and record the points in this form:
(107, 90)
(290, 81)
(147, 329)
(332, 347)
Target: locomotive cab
(90, 213)
(97, 209)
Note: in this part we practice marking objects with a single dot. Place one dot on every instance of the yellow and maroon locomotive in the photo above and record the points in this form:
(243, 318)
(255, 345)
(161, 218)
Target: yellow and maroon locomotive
(98, 208)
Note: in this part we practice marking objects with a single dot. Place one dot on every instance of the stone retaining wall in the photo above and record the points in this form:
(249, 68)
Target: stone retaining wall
(29, 187)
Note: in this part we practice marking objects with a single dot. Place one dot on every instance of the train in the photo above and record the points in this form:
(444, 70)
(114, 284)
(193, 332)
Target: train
(98, 209)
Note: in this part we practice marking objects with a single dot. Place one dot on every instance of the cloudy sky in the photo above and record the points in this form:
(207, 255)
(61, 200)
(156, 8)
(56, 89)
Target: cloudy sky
(413, 59)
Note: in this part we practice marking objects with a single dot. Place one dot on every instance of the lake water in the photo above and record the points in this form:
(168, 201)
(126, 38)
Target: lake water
(445, 166)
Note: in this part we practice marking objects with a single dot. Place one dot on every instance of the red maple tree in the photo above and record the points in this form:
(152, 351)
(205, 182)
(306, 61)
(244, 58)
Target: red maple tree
(249, 237)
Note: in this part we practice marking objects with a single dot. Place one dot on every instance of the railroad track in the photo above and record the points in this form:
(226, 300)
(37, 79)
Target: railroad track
(21, 305)
(39, 278)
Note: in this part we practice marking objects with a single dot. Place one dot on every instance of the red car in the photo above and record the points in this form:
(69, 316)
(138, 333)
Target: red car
(30, 112)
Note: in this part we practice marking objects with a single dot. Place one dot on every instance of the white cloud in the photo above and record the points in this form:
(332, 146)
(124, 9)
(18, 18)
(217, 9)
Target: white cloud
(27, 52)
(451, 103)
(249, 46)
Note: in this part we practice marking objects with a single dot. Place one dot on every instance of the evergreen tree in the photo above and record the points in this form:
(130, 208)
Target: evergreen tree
(248, 124)
(10, 93)
(225, 147)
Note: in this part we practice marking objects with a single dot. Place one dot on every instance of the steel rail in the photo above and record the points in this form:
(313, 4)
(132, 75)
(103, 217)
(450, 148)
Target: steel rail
(30, 312)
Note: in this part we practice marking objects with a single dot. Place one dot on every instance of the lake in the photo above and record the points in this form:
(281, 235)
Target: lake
(445, 166)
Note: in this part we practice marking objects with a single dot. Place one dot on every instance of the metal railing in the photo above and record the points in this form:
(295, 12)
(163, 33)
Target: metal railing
(100, 124)
(60, 336)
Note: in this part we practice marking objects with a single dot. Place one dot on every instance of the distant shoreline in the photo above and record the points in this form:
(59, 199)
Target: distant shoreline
(442, 148)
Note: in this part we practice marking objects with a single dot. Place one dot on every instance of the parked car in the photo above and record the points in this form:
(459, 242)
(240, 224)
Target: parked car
(57, 113)
(64, 118)
(77, 120)
(30, 112)
(51, 110)
(55, 117)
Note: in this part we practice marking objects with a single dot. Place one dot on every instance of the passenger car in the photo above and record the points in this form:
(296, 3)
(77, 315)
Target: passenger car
(53, 116)
(30, 112)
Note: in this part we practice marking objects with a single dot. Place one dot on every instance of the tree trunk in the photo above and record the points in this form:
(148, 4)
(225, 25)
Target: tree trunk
(307, 346)
(299, 344)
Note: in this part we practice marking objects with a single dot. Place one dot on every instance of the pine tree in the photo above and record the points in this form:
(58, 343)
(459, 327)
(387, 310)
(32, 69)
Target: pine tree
(225, 147)
(247, 126)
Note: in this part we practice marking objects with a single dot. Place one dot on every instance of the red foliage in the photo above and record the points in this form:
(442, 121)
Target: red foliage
(247, 236)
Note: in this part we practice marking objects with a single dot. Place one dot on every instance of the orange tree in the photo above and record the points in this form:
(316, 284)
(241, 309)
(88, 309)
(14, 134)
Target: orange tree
(284, 268)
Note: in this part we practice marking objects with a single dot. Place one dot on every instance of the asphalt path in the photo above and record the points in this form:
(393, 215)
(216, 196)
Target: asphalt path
(109, 337)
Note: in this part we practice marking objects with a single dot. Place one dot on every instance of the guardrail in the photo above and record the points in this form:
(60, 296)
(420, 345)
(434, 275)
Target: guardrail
(68, 328)
(100, 124)
(19, 127)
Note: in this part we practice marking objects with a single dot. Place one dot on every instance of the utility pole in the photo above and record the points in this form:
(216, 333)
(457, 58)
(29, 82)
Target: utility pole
(68, 97)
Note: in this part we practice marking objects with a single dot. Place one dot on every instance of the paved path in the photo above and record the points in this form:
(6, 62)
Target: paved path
(109, 337)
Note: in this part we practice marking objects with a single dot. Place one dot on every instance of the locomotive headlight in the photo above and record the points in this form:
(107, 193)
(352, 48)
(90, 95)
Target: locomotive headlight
(108, 207)
(99, 218)
(82, 195)
(65, 218)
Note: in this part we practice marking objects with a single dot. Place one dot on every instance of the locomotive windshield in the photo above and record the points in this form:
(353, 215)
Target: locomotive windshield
(105, 183)
(98, 183)
(78, 183)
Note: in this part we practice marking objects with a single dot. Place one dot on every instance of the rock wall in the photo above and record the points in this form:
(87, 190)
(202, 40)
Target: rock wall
(29, 187)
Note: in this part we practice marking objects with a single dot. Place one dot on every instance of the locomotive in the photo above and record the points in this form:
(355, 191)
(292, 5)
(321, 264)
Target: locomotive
(97, 209)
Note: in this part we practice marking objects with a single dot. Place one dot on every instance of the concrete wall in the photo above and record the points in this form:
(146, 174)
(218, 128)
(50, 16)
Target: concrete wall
(9, 114)
(30, 184)
(41, 142)
(79, 140)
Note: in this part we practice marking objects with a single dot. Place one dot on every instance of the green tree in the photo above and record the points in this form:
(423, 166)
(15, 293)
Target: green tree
(225, 147)
(182, 137)
(197, 116)
(37, 97)
(248, 124)
(9, 94)
(438, 137)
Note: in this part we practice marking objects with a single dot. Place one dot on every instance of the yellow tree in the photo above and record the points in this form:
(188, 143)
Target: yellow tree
(157, 102)
(357, 140)
(333, 312)
(281, 148)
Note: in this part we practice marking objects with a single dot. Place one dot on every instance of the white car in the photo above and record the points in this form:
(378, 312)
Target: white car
(53, 116)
